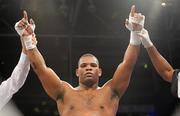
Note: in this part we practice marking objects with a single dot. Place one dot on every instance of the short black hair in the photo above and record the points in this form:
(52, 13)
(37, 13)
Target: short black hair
(88, 55)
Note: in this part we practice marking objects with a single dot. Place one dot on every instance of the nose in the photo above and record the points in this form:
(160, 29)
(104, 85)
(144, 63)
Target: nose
(88, 68)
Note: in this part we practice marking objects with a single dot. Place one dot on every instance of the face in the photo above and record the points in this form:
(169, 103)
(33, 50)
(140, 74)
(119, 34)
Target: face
(88, 71)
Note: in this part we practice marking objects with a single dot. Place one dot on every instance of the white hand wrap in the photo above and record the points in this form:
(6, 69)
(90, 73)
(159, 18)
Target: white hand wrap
(28, 42)
(145, 38)
(18, 29)
(138, 20)
(135, 39)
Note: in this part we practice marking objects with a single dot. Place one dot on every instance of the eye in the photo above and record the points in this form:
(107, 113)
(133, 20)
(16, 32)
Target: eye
(83, 65)
(93, 64)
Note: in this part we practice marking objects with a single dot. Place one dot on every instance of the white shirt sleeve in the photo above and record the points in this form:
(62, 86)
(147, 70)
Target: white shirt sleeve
(178, 90)
(15, 81)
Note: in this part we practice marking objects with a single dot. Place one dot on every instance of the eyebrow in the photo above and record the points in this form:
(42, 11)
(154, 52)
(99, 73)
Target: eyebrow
(89, 63)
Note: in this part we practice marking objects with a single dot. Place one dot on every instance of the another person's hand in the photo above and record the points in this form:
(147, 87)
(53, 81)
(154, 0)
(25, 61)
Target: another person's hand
(146, 41)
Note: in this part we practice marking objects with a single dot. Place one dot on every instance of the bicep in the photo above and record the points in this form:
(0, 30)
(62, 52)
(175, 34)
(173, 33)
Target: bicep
(121, 79)
(51, 82)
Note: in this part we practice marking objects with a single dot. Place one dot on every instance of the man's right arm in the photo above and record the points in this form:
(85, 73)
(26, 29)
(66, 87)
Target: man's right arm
(50, 81)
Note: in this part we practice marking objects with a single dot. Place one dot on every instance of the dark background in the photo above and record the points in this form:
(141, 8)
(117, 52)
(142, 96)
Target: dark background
(68, 28)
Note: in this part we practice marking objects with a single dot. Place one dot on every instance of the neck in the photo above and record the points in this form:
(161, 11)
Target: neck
(87, 87)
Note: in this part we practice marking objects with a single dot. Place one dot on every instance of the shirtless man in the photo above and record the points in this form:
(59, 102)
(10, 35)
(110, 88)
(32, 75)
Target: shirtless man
(88, 99)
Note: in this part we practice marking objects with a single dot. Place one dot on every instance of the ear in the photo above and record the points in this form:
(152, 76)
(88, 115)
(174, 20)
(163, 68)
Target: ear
(77, 72)
(100, 72)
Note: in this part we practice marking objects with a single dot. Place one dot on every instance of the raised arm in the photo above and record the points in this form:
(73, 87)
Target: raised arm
(164, 69)
(50, 81)
(122, 75)
(15, 81)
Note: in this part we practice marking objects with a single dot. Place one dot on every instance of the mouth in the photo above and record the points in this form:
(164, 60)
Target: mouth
(88, 74)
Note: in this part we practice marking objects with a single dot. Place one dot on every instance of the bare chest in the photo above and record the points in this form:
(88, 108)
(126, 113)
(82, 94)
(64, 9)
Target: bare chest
(89, 101)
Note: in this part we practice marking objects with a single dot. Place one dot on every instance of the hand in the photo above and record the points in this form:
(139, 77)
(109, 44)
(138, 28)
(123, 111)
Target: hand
(135, 21)
(23, 27)
(134, 26)
(146, 41)
(26, 32)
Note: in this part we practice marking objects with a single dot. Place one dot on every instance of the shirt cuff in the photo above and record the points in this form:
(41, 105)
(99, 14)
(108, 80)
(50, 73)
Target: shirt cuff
(24, 60)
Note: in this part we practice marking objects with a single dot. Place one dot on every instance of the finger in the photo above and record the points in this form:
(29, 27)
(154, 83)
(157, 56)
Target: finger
(29, 30)
(127, 21)
(21, 25)
(32, 21)
(143, 33)
(132, 10)
(25, 15)
(143, 17)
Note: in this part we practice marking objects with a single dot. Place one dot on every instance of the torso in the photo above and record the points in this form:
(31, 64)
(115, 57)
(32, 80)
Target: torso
(98, 102)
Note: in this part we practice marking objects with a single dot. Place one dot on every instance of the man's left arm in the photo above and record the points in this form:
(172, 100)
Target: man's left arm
(122, 75)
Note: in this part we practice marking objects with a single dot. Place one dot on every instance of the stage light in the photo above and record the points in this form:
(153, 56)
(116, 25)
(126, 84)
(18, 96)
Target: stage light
(145, 66)
(163, 4)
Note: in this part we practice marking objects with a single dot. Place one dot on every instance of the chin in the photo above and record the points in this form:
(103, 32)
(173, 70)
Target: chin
(89, 81)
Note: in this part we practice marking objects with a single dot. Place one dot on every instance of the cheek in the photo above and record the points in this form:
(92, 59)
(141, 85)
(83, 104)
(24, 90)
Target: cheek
(81, 71)
(97, 72)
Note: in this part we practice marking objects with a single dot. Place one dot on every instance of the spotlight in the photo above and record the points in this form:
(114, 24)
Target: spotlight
(145, 66)
(163, 4)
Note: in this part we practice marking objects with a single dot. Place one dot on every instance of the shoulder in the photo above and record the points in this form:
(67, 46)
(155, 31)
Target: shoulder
(107, 84)
(65, 87)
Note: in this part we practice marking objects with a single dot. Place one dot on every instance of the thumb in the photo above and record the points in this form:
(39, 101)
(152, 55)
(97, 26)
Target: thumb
(32, 22)
(126, 22)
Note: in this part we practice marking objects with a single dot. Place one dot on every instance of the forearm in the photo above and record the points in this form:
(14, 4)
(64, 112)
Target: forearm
(161, 65)
(15, 81)
(37, 60)
(131, 55)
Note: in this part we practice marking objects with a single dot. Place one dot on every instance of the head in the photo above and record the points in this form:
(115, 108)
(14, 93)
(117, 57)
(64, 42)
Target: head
(88, 70)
